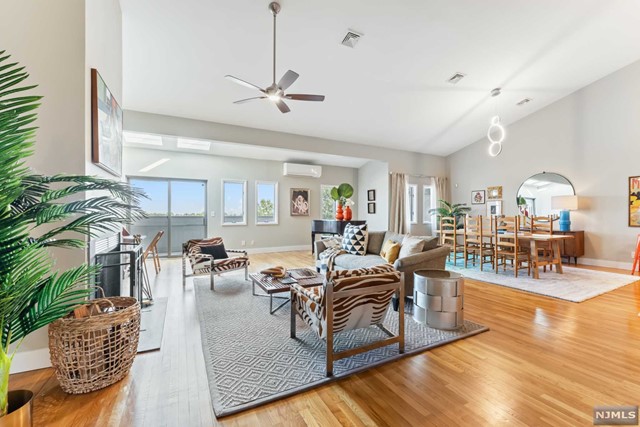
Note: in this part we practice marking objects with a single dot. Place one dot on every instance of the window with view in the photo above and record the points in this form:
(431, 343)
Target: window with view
(427, 204)
(234, 201)
(327, 203)
(266, 202)
(412, 203)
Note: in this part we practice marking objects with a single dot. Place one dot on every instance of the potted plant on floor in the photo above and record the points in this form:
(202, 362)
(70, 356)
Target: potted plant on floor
(446, 209)
(36, 213)
(340, 194)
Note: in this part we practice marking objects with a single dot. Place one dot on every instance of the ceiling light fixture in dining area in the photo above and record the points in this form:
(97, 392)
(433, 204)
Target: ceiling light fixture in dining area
(496, 132)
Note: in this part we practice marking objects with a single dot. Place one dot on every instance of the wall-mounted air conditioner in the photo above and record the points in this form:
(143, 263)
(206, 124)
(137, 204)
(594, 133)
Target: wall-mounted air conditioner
(293, 169)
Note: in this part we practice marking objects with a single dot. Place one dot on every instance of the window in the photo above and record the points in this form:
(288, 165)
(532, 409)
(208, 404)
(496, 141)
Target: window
(412, 201)
(266, 202)
(234, 201)
(427, 204)
(327, 203)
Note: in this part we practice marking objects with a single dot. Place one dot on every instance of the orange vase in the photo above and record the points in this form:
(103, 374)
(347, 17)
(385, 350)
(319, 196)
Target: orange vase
(339, 215)
(348, 213)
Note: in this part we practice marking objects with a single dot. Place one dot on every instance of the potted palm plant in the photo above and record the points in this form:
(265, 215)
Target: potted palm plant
(38, 212)
(446, 209)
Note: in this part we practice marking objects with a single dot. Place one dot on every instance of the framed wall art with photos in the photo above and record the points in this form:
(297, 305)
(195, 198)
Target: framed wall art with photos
(494, 207)
(371, 208)
(478, 197)
(300, 202)
(106, 127)
(371, 195)
(494, 193)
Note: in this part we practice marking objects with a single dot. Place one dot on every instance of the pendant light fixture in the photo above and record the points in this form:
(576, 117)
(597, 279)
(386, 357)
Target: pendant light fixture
(496, 132)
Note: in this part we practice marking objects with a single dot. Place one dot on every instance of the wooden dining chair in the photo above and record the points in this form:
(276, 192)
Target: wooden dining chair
(152, 250)
(449, 236)
(474, 242)
(636, 257)
(543, 225)
(507, 245)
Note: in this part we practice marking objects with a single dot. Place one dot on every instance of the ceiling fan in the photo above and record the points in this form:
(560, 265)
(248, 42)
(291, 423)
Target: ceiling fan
(275, 92)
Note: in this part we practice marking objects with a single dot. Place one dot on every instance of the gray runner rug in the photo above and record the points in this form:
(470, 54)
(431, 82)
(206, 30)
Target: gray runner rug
(251, 360)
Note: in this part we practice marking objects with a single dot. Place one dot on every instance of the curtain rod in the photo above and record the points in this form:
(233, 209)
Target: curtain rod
(415, 176)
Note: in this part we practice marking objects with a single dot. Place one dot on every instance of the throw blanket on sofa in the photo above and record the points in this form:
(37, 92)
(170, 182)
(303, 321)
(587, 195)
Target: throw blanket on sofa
(328, 256)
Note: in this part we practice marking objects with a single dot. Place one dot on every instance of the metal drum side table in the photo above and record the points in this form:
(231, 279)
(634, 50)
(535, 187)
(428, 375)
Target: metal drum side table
(438, 298)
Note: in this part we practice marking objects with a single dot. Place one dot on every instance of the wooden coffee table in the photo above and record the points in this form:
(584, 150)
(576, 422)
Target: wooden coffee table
(271, 285)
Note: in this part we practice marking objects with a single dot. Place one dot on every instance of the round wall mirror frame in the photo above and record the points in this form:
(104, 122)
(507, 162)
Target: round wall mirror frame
(534, 195)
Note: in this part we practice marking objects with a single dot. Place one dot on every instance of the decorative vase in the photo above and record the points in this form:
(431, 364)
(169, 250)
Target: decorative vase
(348, 213)
(339, 215)
(19, 414)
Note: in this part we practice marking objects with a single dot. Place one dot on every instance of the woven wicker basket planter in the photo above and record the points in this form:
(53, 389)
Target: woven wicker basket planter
(94, 352)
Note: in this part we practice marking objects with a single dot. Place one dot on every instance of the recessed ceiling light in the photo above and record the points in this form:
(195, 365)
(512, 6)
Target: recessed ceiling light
(154, 165)
(142, 138)
(194, 144)
(524, 101)
(456, 78)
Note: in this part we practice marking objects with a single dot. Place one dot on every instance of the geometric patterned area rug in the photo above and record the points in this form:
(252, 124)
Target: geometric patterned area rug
(575, 284)
(251, 360)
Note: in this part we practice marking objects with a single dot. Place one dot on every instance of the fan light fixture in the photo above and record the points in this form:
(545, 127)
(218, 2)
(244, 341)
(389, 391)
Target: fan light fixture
(496, 132)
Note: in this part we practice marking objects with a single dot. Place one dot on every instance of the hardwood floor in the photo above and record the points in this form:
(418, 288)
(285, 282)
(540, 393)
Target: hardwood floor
(544, 362)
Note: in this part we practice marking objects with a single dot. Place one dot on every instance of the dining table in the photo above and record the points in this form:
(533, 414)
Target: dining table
(535, 245)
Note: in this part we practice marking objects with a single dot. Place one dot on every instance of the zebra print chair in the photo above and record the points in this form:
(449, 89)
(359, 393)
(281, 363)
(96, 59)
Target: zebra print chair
(350, 299)
(205, 264)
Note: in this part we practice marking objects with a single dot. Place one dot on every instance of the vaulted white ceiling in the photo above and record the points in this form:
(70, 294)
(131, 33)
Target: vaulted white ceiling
(390, 90)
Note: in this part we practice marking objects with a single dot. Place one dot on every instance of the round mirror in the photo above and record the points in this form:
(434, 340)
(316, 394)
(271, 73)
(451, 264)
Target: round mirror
(534, 194)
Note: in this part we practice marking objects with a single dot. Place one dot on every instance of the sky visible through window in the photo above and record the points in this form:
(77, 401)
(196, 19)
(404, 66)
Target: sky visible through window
(233, 198)
(187, 197)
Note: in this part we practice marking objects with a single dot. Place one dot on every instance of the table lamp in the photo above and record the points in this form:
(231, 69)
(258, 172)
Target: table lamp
(565, 204)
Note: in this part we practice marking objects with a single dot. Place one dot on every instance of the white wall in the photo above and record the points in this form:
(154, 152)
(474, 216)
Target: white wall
(374, 175)
(592, 137)
(291, 233)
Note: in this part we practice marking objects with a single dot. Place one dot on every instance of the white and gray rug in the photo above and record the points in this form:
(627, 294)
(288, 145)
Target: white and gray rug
(575, 284)
(251, 360)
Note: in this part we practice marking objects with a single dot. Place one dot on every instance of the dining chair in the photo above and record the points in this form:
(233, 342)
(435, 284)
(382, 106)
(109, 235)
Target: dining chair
(507, 245)
(449, 236)
(636, 257)
(543, 225)
(474, 242)
(152, 250)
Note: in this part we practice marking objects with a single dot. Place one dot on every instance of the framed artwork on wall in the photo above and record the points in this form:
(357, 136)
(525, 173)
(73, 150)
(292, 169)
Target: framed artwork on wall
(477, 197)
(494, 193)
(106, 127)
(494, 207)
(371, 208)
(371, 195)
(300, 202)
(634, 201)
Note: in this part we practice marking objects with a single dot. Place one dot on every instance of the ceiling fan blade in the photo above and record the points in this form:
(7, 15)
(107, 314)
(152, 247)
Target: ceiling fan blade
(304, 97)
(288, 79)
(282, 106)
(243, 83)
(242, 101)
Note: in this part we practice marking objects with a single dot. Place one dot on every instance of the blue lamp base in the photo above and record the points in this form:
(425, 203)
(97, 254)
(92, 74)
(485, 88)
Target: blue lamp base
(565, 220)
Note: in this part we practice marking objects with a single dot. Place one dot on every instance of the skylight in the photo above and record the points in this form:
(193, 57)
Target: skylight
(194, 144)
(142, 138)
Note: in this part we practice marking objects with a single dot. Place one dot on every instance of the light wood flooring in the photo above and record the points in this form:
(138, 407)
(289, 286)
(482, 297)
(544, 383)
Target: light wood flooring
(544, 362)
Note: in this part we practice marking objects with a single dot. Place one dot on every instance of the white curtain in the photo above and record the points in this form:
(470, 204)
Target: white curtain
(440, 185)
(398, 218)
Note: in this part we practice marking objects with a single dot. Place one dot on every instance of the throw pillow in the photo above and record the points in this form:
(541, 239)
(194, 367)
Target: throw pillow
(355, 239)
(216, 251)
(332, 242)
(390, 251)
(411, 246)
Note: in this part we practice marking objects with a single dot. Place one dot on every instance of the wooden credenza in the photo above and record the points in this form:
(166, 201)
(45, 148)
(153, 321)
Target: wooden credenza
(323, 226)
(572, 248)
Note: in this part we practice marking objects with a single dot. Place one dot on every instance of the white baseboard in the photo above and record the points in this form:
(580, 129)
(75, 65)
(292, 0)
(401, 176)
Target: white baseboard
(606, 263)
(279, 249)
(31, 360)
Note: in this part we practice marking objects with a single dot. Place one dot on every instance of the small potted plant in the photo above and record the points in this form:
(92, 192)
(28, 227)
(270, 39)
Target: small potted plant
(38, 212)
(340, 194)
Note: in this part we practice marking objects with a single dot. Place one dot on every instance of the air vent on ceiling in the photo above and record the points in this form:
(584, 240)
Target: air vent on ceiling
(524, 101)
(456, 78)
(351, 39)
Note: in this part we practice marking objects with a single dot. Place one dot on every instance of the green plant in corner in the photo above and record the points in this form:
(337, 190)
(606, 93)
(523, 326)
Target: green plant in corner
(38, 212)
(446, 209)
(341, 193)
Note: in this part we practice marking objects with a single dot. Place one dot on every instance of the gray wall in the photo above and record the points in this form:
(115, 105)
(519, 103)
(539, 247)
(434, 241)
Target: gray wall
(592, 137)
(374, 175)
(291, 232)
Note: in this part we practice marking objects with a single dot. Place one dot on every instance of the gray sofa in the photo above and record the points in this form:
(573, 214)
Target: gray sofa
(432, 256)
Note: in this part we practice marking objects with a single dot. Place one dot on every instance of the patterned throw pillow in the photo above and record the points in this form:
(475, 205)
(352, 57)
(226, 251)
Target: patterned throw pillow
(355, 239)
(390, 251)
